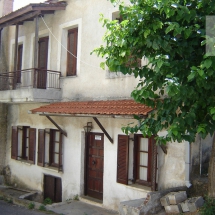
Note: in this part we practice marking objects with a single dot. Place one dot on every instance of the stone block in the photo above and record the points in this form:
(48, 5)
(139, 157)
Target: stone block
(195, 203)
(173, 209)
(184, 206)
(177, 197)
(165, 201)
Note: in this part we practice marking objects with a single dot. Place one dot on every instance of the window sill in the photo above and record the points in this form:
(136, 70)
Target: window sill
(51, 168)
(24, 161)
(72, 76)
(139, 187)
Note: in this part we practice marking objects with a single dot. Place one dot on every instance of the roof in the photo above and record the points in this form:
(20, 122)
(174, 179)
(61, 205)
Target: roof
(86, 108)
(28, 12)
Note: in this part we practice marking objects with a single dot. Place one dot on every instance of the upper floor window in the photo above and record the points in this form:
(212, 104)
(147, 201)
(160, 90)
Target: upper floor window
(50, 148)
(23, 143)
(72, 44)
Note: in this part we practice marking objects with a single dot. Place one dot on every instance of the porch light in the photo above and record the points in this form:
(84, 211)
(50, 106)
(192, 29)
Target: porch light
(88, 127)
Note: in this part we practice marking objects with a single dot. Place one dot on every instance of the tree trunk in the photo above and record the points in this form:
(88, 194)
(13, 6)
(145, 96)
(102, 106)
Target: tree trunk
(211, 171)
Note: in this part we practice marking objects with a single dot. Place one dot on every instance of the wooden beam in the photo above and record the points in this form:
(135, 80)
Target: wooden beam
(102, 128)
(164, 148)
(62, 131)
(20, 19)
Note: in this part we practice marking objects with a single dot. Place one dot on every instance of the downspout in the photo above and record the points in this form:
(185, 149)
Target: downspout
(200, 156)
(187, 164)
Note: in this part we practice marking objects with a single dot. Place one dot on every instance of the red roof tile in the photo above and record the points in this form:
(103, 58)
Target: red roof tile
(113, 107)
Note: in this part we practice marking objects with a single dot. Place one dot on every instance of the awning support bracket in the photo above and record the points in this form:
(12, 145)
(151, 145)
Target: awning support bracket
(62, 131)
(103, 129)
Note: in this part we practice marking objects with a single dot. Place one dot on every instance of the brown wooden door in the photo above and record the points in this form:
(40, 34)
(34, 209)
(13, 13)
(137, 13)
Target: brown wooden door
(52, 188)
(95, 165)
(42, 62)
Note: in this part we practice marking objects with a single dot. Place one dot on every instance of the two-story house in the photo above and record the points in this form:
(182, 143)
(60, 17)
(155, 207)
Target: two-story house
(63, 132)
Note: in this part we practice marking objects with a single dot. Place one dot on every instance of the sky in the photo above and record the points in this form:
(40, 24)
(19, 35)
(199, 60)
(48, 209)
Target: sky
(21, 3)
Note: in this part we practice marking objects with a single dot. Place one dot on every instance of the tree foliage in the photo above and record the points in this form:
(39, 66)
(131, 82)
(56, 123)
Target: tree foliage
(179, 79)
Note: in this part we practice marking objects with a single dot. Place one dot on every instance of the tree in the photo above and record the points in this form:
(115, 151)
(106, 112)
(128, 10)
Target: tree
(178, 80)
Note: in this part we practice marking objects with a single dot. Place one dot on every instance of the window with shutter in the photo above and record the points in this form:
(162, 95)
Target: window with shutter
(122, 159)
(23, 143)
(50, 148)
(144, 160)
(72, 44)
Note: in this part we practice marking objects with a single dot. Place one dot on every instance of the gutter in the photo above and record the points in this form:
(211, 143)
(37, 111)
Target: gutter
(187, 164)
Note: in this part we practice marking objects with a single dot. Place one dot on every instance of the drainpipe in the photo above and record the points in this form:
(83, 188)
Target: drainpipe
(187, 164)
(200, 156)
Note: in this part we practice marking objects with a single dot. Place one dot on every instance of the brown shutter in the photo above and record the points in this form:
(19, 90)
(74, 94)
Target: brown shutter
(153, 163)
(19, 64)
(58, 188)
(51, 146)
(60, 162)
(122, 159)
(72, 44)
(32, 145)
(135, 152)
(14, 142)
(41, 147)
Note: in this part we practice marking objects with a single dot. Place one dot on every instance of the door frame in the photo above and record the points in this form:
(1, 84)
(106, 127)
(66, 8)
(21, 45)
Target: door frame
(86, 155)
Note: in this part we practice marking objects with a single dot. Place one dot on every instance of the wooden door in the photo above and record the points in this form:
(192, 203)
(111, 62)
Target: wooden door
(42, 63)
(95, 165)
(19, 63)
(52, 188)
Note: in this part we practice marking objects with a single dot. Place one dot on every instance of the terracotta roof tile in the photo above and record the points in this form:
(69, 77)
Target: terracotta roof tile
(113, 107)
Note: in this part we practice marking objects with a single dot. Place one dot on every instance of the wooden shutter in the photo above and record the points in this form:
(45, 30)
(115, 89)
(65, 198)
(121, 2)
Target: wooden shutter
(58, 190)
(41, 147)
(14, 142)
(72, 44)
(32, 145)
(60, 162)
(49, 187)
(51, 146)
(122, 159)
(19, 63)
(154, 163)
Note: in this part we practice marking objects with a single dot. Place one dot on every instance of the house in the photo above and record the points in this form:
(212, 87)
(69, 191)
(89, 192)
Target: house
(61, 115)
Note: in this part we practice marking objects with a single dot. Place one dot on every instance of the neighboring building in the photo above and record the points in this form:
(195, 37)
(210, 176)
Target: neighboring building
(46, 147)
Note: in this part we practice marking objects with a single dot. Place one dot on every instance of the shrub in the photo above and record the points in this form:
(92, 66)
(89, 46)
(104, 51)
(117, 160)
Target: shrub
(47, 201)
(209, 207)
(31, 205)
(42, 208)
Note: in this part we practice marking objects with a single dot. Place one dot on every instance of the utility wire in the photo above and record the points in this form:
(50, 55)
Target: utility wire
(66, 48)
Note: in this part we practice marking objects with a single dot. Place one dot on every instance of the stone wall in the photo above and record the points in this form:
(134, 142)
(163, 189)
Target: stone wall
(3, 135)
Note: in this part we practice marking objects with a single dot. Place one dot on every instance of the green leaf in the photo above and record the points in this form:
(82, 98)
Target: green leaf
(208, 63)
(102, 65)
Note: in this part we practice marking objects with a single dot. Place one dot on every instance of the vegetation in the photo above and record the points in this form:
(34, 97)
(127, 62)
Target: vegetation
(42, 208)
(208, 207)
(47, 201)
(31, 205)
(178, 79)
(76, 197)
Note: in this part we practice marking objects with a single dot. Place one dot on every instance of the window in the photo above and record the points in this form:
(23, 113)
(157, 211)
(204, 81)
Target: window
(23, 143)
(42, 62)
(72, 52)
(19, 63)
(142, 164)
(50, 148)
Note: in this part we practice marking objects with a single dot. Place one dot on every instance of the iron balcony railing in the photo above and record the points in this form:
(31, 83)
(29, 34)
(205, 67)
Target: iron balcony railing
(33, 78)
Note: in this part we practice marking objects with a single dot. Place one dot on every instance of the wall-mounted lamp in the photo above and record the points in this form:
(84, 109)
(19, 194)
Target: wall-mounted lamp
(88, 127)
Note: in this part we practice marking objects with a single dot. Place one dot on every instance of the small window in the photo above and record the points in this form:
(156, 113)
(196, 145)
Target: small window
(50, 148)
(144, 159)
(72, 43)
(23, 143)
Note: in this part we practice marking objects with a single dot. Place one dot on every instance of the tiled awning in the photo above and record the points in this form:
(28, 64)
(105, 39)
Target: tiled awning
(28, 12)
(113, 108)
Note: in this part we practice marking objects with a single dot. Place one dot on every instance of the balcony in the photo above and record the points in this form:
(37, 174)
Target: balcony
(30, 85)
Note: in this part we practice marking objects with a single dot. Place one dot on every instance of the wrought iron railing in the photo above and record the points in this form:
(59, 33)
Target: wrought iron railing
(33, 78)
